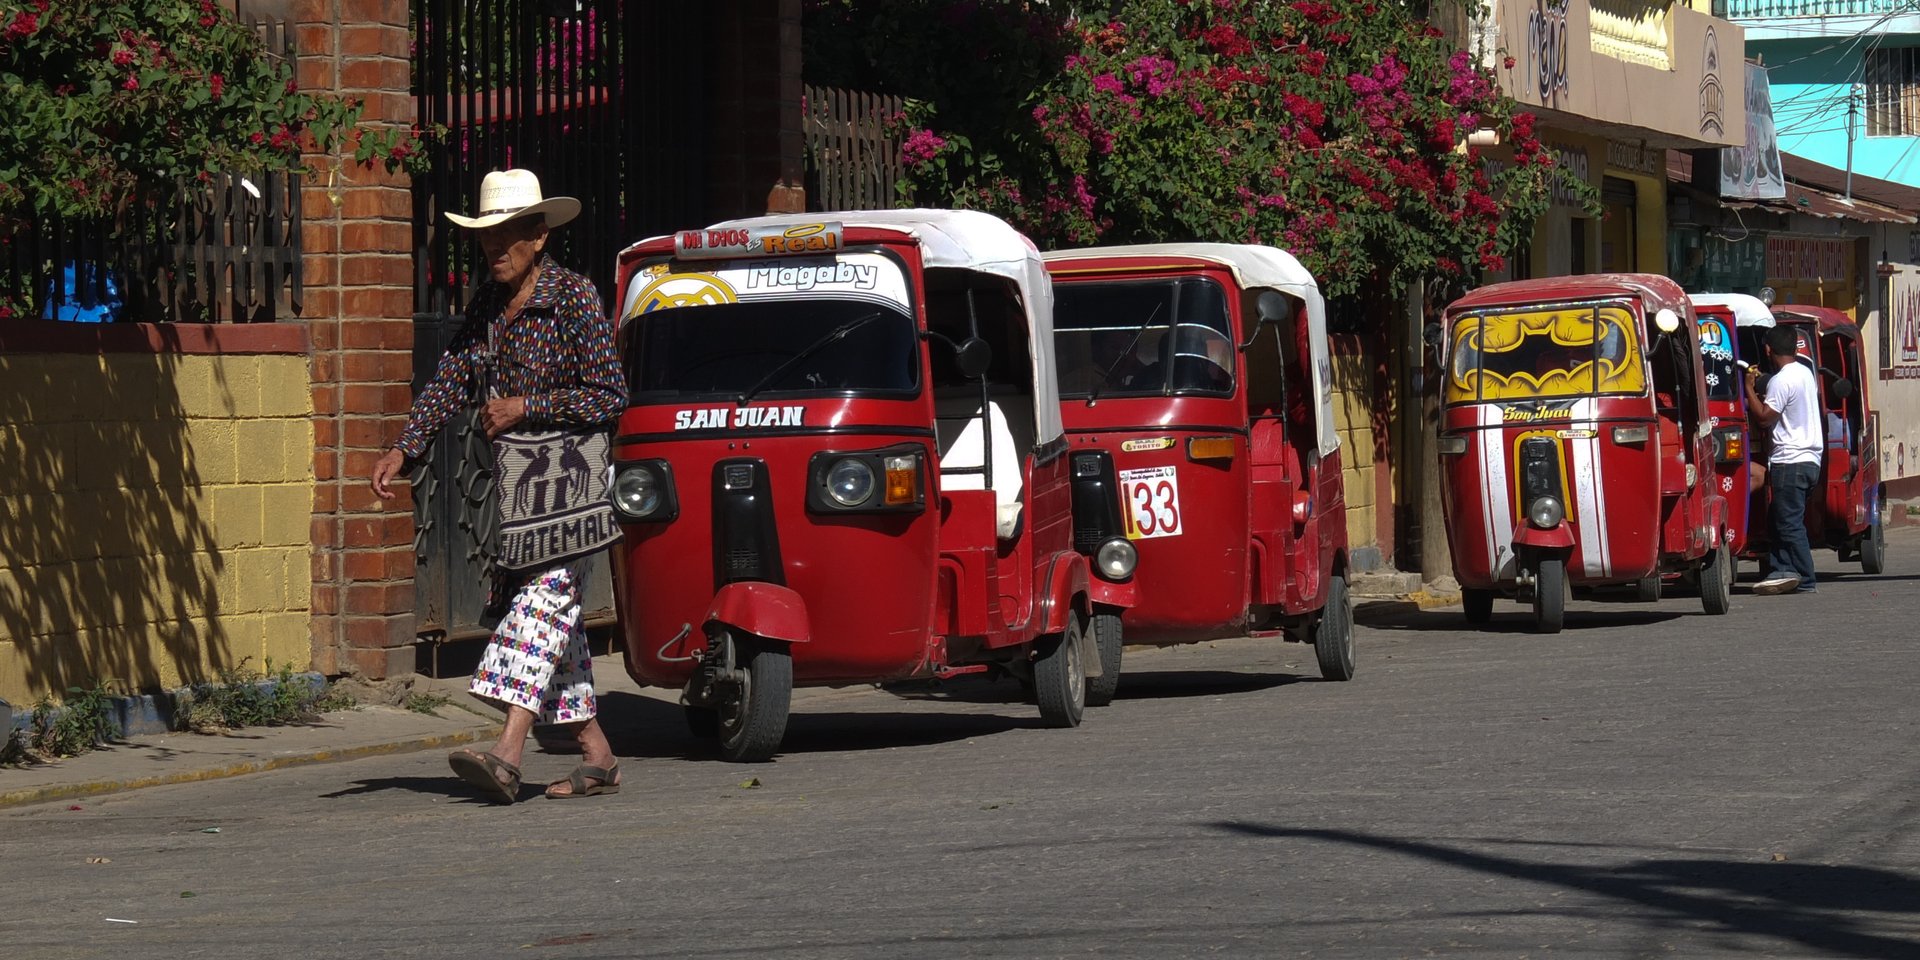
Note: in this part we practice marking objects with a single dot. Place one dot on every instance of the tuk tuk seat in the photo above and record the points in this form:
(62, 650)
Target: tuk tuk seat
(960, 433)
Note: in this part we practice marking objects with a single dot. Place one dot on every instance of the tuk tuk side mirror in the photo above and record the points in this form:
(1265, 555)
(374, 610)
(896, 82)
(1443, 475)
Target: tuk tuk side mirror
(1272, 307)
(1841, 388)
(1667, 321)
(1431, 334)
(972, 356)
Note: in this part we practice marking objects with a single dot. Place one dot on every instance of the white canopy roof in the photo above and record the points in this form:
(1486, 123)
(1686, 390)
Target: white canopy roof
(1254, 267)
(969, 240)
(1748, 310)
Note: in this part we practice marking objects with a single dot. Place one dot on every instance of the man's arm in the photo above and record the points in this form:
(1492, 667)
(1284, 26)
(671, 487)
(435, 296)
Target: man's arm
(1767, 415)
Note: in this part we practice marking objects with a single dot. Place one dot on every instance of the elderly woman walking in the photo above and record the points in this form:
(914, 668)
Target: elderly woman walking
(536, 353)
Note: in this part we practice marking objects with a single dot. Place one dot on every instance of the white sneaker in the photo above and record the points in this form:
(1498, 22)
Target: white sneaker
(1776, 585)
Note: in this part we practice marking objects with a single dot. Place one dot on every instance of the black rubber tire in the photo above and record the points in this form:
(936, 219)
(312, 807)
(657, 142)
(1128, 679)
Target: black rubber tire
(1550, 596)
(1060, 677)
(1647, 590)
(751, 731)
(1109, 640)
(1333, 635)
(1716, 581)
(1478, 605)
(1873, 550)
(702, 722)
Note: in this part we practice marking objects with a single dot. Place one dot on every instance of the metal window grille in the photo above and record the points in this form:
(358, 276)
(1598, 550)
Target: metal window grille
(1893, 92)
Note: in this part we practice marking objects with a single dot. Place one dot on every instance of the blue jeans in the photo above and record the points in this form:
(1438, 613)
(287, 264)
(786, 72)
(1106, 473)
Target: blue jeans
(1790, 483)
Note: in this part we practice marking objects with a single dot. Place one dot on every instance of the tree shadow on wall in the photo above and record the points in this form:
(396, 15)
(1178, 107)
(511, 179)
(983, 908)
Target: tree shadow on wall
(109, 564)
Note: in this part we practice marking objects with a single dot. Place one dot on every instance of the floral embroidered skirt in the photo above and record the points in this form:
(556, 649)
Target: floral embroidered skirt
(538, 657)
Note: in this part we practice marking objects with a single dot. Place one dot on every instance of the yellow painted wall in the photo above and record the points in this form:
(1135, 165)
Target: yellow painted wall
(1353, 416)
(154, 518)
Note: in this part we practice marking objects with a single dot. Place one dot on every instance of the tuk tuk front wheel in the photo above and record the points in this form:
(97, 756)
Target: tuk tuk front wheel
(1873, 550)
(1716, 581)
(1108, 639)
(1060, 676)
(1333, 635)
(1647, 590)
(753, 720)
(1478, 604)
(1550, 596)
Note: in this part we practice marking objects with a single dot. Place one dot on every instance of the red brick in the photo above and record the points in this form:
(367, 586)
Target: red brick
(363, 531)
(326, 433)
(314, 41)
(381, 598)
(323, 567)
(325, 532)
(365, 333)
(398, 529)
(364, 398)
(376, 236)
(315, 71)
(376, 269)
(382, 366)
(326, 398)
(377, 203)
(314, 11)
(325, 656)
(326, 598)
(363, 565)
(326, 498)
(326, 368)
(324, 332)
(366, 433)
(326, 465)
(381, 663)
(374, 76)
(360, 498)
(320, 271)
(319, 237)
(391, 12)
(320, 303)
(390, 303)
(372, 41)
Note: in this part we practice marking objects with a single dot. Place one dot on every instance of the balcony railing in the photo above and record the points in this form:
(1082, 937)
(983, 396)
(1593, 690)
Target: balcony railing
(1782, 9)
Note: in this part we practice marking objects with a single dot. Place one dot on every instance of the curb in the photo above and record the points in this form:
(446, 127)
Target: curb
(1376, 609)
(67, 791)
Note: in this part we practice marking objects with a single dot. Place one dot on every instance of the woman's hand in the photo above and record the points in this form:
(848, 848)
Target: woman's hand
(503, 414)
(384, 470)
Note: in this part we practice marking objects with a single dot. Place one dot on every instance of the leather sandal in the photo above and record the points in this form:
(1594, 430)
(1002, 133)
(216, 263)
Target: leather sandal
(483, 771)
(603, 782)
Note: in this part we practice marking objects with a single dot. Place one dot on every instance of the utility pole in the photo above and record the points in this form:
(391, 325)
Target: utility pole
(1853, 106)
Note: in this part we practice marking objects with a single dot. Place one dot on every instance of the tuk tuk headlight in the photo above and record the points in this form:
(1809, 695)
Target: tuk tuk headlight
(850, 482)
(643, 491)
(1546, 513)
(1116, 559)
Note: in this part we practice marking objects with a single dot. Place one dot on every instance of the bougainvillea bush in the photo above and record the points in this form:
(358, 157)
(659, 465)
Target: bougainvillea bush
(109, 99)
(1334, 129)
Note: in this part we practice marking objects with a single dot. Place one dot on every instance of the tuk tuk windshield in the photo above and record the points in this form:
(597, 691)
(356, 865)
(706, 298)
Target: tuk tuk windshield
(1572, 350)
(1138, 338)
(1716, 357)
(774, 347)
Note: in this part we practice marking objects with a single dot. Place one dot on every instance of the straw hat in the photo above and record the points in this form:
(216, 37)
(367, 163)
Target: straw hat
(512, 194)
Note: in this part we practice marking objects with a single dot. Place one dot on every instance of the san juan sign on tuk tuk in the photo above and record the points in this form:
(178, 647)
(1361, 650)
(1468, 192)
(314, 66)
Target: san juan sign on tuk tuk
(1731, 325)
(1576, 447)
(843, 463)
(1843, 514)
(1196, 390)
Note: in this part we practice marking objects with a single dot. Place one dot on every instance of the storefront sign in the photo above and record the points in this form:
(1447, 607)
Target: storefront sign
(1753, 172)
(1636, 158)
(1556, 65)
(1798, 258)
(1574, 161)
(1903, 334)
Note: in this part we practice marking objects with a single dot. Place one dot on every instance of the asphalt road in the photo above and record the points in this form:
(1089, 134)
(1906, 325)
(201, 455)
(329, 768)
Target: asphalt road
(1652, 782)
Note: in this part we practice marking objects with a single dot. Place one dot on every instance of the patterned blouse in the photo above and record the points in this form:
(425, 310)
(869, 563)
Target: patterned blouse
(559, 353)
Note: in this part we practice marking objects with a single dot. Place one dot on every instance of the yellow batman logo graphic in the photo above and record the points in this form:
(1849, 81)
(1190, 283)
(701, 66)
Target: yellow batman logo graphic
(1575, 351)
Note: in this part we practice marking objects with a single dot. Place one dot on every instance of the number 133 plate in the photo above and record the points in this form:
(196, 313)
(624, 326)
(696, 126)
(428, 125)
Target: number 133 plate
(1150, 498)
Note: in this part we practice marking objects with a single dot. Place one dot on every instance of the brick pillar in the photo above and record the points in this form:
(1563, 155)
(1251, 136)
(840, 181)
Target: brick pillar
(757, 143)
(359, 305)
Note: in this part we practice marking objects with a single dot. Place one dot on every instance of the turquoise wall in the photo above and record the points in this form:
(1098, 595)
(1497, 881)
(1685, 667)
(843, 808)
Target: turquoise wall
(1810, 83)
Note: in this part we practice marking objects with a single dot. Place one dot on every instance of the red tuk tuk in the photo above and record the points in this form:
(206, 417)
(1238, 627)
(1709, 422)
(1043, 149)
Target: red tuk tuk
(1730, 327)
(1576, 447)
(1196, 390)
(843, 463)
(1845, 514)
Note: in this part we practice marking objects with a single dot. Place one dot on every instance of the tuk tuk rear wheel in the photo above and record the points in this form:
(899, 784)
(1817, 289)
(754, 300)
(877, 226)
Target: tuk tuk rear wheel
(1333, 635)
(1108, 639)
(1550, 596)
(1060, 676)
(1716, 581)
(703, 722)
(754, 720)
(1873, 550)
(1478, 604)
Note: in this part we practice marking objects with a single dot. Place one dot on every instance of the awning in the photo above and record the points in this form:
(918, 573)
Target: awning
(1819, 203)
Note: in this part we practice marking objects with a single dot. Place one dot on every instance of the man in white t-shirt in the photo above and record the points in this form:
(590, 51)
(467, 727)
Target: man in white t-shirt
(1791, 409)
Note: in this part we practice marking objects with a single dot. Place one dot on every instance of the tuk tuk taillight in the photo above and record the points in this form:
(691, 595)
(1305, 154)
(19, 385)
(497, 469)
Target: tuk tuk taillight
(903, 480)
(1634, 434)
(1729, 444)
(1210, 448)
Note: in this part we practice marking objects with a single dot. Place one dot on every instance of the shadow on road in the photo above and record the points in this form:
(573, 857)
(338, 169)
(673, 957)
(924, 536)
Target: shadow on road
(1807, 904)
(640, 726)
(1175, 684)
(1510, 617)
(448, 786)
